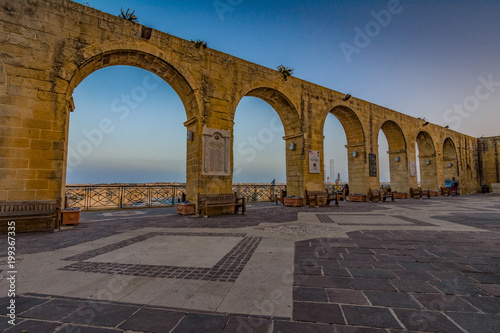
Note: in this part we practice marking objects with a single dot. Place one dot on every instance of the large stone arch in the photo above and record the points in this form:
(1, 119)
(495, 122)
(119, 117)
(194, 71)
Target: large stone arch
(357, 156)
(94, 58)
(398, 156)
(292, 125)
(428, 161)
(450, 160)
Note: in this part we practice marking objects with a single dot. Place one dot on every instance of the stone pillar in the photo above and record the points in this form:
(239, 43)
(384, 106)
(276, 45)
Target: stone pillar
(295, 172)
(428, 173)
(398, 166)
(194, 142)
(358, 169)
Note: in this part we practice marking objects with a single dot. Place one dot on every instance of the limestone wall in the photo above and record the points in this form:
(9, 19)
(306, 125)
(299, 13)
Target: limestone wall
(489, 155)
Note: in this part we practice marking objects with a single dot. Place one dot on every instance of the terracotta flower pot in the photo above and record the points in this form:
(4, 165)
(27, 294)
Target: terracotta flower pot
(357, 197)
(70, 216)
(293, 202)
(185, 209)
(400, 195)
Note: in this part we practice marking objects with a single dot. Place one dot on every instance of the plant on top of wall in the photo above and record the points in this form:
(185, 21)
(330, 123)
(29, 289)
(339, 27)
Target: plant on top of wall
(285, 72)
(129, 16)
(199, 43)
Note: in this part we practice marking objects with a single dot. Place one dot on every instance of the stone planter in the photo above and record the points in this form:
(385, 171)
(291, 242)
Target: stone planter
(357, 197)
(70, 216)
(400, 195)
(433, 193)
(185, 209)
(293, 202)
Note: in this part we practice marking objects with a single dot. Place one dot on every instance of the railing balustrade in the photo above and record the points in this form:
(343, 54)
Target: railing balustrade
(102, 197)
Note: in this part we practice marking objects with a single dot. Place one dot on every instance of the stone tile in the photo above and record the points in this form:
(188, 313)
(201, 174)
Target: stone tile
(86, 329)
(55, 309)
(26, 303)
(192, 322)
(485, 278)
(369, 316)
(485, 304)
(372, 273)
(152, 320)
(455, 287)
(476, 322)
(413, 275)
(327, 263)
(413, 286)
(309, 294)
(308, 270)
(355, 264)
(248, 324)
(32, 326)
(372, 284)
(295, 327)
(358, 257)
(426, 321)
(394, 258)
(321, 281)
(385, 265)
(336, 271)
(392, 300)
(419, 266)
(438, 302)
(317, 313)
(493, 289)
(342, 296)
(354, 329)
(101, 314)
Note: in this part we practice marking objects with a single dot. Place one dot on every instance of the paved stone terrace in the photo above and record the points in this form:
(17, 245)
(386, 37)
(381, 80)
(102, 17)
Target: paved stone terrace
(429, 265)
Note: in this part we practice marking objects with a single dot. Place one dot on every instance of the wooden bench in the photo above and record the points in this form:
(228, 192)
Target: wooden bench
(379, 194)
(316, 195)
(342, 194)
(220, 200)
(445, 191)
(30, 215)
(280, 198)
(425, 193)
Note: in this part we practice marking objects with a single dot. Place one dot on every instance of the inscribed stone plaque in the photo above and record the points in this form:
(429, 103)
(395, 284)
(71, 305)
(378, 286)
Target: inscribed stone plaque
(373, 164)
(413, 169)
(314, 161)
(216, 152)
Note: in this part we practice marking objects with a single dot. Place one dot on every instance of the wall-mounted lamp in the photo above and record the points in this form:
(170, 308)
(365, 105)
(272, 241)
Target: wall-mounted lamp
(190, 135)
(397, 159)
(428, 162)
(292, 146)
(426, 123)
(354, 153)
(346, 98)
(450, 165)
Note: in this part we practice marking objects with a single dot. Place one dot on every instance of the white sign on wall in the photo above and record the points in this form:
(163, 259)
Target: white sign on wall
(314, 161)
(413, 169)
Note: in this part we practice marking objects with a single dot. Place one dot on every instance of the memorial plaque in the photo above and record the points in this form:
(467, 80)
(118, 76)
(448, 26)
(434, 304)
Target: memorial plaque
(413, 169)
(216, 152)
(373, 164)
(314, 161)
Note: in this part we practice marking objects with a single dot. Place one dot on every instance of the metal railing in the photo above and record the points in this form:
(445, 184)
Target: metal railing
(102, 197)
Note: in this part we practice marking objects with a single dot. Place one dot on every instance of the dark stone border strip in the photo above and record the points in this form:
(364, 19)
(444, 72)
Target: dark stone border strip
(226, 270)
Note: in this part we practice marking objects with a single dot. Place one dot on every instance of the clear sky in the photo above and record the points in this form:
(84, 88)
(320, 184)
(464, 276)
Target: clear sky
(434, 59)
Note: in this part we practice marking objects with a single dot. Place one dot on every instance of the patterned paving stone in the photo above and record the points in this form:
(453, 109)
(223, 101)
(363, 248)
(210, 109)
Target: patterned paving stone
(372, 284)
(413, 286)
(152, 320)
(55, 309)
(369, 316)
(294, 327)
(476, 322)
(372, 273)
(317, 313)
(493, 289)
(485, 304)
(354, 329)
(310, 294)
(342, 296)
(444, 303)
(426, 321)
(192, 322)
(248, 324)
(32, 326)
(101, 314)
(392, 300)
(86, 329)
(321, 281)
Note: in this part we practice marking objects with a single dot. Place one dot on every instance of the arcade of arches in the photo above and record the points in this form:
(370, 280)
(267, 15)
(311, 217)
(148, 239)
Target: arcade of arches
(36, 99)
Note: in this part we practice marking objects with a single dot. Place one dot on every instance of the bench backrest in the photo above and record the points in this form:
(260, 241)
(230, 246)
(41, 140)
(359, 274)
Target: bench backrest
(313, 193)
(217, 198)
(28, 208)
(377, 191)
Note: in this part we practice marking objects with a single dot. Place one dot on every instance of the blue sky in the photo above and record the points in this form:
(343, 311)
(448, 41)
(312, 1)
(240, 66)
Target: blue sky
(426, 59)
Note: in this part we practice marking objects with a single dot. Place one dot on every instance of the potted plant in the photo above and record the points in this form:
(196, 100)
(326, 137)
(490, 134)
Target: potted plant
(357, 197)
(71, 216)
(185, 208)
(400, 195)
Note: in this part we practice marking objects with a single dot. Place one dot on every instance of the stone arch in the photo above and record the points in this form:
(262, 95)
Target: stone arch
(78, 69)
(450, 160)
(292, 125)
(138, 55)
(355, 134)
(428, 161)
(398, 157)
